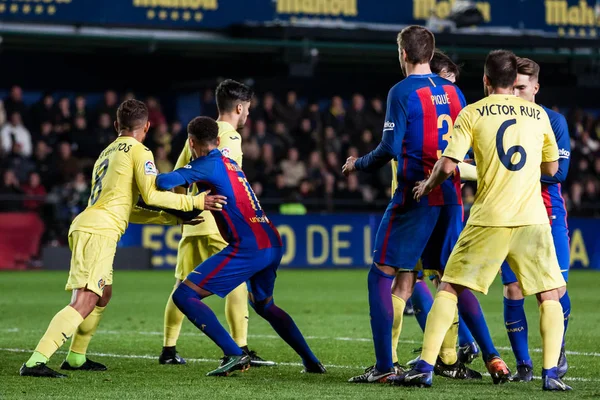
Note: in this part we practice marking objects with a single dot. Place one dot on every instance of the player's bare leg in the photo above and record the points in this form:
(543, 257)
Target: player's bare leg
(173, 320)
(76, 358)
(552, 330)
(61, 328)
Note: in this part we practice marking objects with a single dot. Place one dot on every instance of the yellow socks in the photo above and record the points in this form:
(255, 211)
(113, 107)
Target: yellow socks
(172, 324)
(83, 335)
(448, 351)
(439, 321)
(236, 311)
(552, 329)
(399, 306)
(61, 328)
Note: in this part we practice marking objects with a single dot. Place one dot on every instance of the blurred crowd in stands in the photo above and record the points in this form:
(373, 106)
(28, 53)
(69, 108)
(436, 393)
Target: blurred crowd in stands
(293, 153)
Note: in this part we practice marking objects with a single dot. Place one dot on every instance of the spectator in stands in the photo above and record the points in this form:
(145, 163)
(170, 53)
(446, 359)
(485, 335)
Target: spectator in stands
(162, 161)
(351, 195)
(376, 118)
(76, 194)
(336, 114)
(293, 169)
(589, 199)
(44, 164)
(43, 110)
(267, 167)
(35, 191)
(333, 166)
(85, 143)
(209, 105)
(15, 132)
(305, 138)
(19, 163)
(290, 112)
(80, 109)
(105, 133)
(267, 111)
(261, 134)
(356, 119)
(331, 143)
(128, 96)
(282, 140)
(109, 105)
(14, 102)
(9, 192)
(47, 134)
(155, 114)
(160, 137)
(68, 166)
(316, 171)
(251, 152)
(2, 113)
(366, 144)
(313, 113)
(178, 140)
(63, 117)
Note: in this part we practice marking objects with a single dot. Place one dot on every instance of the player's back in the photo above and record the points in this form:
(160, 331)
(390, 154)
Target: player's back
(510, 137)
(428, 106)
(242, 222)
(114, 191)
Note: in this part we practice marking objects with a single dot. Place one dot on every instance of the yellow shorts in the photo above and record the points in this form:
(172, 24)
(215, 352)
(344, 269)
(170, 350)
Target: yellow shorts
(91, 261)
(529, 250)
(193, 250)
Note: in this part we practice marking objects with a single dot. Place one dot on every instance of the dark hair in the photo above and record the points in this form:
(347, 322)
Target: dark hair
(501, 68)
(526, 66)
(203, 129)
(418, 43)
(441, 61)
(131, 114)
(229, 93)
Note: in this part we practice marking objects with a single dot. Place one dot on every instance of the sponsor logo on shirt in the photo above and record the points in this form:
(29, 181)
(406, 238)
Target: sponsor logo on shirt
(150, 168)
(562, 153)
(234, 137)
(389, 126)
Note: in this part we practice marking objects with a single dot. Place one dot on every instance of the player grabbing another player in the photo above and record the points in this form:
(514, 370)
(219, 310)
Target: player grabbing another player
(515, 319)
(252, 255)
(514, 145)
(420, 112)
(124, 171)
(198, 243)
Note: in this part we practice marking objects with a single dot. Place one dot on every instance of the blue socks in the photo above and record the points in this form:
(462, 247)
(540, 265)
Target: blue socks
(382, 316)
(516, 327)
(190, 303)
(565, 302)
(464, 334)
(286, 328)
(422, 301)
(472, 314)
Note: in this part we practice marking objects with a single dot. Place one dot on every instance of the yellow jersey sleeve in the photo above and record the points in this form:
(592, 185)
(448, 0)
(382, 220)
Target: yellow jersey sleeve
(231, 145)
(141, 215)
(462, 137)
(185, 157)
(468, 172)
(145, 178)
(394, 165)
(550, 148)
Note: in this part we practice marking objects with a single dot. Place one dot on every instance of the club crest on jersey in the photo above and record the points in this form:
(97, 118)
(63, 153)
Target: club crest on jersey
(101, 284)
(187, 166)
(389, 126)
(226, 152)
(150, 168)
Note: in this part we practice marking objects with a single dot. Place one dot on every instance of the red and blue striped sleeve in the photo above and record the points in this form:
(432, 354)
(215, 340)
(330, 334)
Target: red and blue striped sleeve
(561, 132)
(394, 129)
(201, 169)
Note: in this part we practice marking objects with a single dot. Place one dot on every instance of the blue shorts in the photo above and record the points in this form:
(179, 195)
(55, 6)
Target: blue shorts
(406, 234)
(560, 235)
(232, 266)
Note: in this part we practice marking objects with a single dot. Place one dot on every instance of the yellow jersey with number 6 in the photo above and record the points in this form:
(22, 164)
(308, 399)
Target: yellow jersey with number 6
(510, 137)
(124, 171)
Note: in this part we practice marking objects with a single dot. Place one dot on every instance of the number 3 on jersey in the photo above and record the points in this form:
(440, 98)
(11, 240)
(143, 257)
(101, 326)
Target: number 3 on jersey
(97, 183)
(251, 196)
(440, 125)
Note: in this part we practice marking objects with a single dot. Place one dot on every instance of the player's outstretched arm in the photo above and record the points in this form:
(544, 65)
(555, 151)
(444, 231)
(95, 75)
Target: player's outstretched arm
(141, 215)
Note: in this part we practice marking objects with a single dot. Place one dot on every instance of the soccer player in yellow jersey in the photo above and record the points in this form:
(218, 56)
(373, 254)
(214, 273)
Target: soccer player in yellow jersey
(198, 243)
(124, 171)
(514, 145)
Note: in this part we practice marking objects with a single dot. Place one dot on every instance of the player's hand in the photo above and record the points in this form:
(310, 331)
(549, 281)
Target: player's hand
(194, 221)
(349, 167)
(421, 189)
(214, 202)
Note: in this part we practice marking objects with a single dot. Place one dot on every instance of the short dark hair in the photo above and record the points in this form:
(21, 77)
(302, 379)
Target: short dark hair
(526, 66)
(203, 129)
(418, 42)
(501, 68)
(131, 114)
(441, 61)
(230, 92)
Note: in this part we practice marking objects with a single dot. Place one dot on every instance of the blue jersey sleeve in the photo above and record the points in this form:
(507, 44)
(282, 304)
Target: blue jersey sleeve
(393, 135)
(199, 169)
(561, 132)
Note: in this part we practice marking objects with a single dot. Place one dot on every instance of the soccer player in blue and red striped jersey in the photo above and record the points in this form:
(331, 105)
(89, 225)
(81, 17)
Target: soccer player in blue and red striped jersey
(421, 110)
(515, 319)
(252, 255)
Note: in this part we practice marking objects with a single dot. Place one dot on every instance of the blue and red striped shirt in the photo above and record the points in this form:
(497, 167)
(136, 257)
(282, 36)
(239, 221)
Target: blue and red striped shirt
(421, 110)
(242, 222)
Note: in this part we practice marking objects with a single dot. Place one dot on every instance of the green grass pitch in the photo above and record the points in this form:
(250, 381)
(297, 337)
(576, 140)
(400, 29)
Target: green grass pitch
(330, 307)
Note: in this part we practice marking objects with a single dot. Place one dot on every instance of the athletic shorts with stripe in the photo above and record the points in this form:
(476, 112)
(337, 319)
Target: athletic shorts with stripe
(406, 234)
(232, 266)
